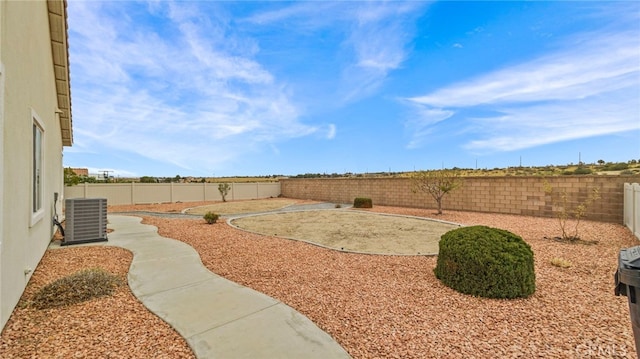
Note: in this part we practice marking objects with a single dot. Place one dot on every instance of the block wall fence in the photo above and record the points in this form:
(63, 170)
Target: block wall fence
(510, 195)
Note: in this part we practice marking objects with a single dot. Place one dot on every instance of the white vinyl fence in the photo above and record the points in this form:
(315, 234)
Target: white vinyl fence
(137, 193)
(632, 207)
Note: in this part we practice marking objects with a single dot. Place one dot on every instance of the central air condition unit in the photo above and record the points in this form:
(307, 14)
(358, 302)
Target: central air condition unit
(86, 220)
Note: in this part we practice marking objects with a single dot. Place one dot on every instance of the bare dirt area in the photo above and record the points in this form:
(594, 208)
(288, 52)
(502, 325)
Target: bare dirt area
(249, 206)
(352, 231)
(118, 326)
(219, 207)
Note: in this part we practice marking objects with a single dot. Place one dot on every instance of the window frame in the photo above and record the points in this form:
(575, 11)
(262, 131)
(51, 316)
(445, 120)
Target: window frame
(36, 205)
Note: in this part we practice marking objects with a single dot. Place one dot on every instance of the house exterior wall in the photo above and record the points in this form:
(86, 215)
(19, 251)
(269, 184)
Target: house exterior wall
(28, 88)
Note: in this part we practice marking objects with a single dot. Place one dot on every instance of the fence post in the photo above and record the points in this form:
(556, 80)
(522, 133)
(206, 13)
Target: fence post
(171, 193)
(636, 211)
(85, 190)
(132, 194)
(204, 191)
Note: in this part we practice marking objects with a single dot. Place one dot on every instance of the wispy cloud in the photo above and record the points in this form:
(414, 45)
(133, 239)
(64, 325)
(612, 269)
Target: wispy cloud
(535, 125)
(303, 15)
(377, 37)
(167, 94)
(422, 122)
(582, 90)
(380, 38)
(331, 131)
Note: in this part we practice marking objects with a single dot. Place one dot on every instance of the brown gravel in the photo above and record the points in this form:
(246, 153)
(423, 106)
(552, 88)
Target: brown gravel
(109, 327)
(374, 306)
(394, 307)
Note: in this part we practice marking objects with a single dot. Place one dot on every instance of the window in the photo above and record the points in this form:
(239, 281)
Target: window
(37, 175)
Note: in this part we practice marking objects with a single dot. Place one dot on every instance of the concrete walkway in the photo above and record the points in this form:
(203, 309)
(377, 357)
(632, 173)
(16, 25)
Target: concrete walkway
(218, 318)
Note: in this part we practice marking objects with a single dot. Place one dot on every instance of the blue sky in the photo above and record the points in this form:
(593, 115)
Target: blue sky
(210, 88)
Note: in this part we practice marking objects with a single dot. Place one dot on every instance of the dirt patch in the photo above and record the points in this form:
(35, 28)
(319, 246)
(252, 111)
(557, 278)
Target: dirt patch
(235, 207)
(352, 231)
(201, 207)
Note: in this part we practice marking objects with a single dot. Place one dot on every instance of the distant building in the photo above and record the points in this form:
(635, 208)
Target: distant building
(81, 171)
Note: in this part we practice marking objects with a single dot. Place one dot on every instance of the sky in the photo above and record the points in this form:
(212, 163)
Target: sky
(220, 88)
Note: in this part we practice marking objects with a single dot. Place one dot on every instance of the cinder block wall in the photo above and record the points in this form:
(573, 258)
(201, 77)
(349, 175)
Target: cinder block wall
(513, 195)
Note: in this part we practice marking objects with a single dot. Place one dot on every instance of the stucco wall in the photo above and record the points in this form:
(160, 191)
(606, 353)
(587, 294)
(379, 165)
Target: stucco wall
(136, 193)
(29, 87)
(513, 195)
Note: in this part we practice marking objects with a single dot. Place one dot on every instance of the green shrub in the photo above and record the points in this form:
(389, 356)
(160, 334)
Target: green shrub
(78, 287)
(615, 166)
(486, 262)
(362, 202)
(211, 217)
(582, 171)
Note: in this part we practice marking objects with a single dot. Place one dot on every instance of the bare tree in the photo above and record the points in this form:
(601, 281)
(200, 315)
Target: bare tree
(568, 210)
(224, 188)
(436, 183)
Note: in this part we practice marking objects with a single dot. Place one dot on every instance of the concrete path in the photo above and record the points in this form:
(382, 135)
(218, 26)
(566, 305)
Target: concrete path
(218, 318)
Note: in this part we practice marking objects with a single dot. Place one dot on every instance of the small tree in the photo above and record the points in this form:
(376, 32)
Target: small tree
(566, 212)
(70, 177)
(436, 183)
(148, 179)
(224, 188)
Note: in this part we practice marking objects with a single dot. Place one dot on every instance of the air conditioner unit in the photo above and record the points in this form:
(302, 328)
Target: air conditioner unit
(86, 220)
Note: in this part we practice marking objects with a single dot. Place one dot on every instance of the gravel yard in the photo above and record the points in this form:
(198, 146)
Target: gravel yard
(108, 327)
(374, 306)
(394, 307)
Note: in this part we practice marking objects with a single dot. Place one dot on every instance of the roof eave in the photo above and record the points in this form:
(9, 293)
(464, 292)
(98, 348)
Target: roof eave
(58, 28)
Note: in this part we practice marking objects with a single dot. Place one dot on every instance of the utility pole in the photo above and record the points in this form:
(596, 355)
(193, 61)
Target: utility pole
(105, 175)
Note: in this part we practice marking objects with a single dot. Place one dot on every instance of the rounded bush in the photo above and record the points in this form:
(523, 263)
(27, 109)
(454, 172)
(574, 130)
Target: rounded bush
(211, 217)
(486, 262)
(362, 202)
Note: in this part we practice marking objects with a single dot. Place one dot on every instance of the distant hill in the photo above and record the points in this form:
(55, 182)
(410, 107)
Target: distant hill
(611, 169)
